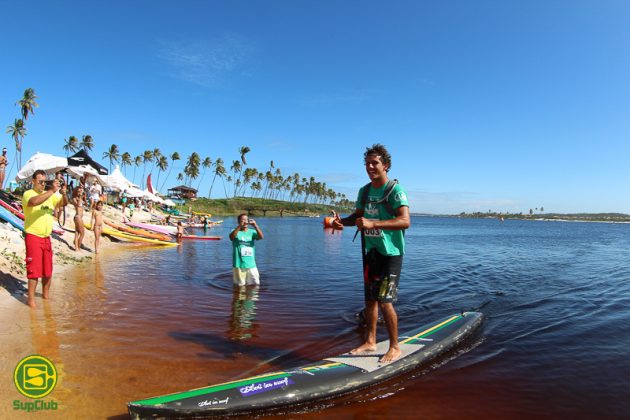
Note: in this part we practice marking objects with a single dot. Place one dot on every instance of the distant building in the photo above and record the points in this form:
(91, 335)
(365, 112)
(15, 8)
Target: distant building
(182, 191)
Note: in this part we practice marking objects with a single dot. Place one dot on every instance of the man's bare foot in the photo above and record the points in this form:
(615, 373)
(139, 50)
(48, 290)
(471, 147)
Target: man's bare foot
(391, 355)
(363, 348)
(31, 303)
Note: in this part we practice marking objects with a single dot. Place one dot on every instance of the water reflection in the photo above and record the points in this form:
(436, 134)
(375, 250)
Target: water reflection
(242, 326)
(44, 333)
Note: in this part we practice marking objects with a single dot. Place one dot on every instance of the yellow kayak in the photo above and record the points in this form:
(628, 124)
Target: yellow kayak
(118, 234)
(201, 214)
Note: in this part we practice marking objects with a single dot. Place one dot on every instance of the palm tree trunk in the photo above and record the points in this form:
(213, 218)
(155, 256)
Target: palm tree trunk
(167, 175)
(211, 185)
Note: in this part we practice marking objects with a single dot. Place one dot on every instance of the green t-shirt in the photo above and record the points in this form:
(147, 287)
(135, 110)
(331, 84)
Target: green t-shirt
(243, 251)
(386, 242)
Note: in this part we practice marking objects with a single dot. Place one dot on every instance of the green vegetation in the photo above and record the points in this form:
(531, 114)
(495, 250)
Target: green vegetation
(16, 262)
(65, 258)
(258, 207)
(578, 217)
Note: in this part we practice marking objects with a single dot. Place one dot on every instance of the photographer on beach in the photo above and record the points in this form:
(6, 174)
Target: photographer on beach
(39, 204)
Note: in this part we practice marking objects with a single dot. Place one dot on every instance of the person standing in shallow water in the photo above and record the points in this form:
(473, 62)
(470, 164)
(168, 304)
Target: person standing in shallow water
(39, 204)
(382, 214)
(79, 228)
(97, 224)
(244, 268)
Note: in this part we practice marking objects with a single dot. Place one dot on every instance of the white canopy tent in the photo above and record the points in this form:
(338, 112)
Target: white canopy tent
(44, 161)
(134, 192)
(117, 181)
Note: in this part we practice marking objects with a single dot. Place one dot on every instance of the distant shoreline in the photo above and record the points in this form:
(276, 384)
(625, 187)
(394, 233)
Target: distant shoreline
(545, 217)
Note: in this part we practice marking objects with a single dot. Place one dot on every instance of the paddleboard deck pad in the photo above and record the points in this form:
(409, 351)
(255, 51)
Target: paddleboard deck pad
(328, 378)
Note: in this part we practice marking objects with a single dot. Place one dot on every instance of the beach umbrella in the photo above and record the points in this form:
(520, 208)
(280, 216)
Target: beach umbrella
(81, 158)
(44, 161)
(79, 172)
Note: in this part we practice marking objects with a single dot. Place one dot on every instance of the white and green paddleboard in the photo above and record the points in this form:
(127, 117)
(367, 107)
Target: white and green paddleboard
(328, 378)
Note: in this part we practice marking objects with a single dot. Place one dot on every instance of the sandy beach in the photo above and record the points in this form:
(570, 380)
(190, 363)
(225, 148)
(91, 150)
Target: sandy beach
(19, 320)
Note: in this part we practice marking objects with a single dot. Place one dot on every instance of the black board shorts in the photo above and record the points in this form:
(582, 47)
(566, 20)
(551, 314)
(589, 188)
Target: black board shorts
(381, 276)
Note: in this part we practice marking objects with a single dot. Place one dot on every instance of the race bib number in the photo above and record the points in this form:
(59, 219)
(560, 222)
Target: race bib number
(372, 233)
(247, 251)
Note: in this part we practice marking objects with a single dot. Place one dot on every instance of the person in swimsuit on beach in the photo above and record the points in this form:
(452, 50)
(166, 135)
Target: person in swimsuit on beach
(180, 231)
(97, 224)
(79, 229)
(3, 166)
(382, 214)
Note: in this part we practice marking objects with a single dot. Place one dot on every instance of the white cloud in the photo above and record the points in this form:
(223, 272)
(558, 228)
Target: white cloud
(206, 63)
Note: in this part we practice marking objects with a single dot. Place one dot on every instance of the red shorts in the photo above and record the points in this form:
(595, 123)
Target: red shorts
(39, 262)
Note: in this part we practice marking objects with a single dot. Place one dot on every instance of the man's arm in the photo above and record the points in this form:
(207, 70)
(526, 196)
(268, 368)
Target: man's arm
(38, 199)
(400, 222)
(64, 197)
(234, 232)
(258, 231)
(339, 223)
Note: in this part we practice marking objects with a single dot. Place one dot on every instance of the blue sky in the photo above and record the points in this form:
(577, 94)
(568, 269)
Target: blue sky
(483, 104)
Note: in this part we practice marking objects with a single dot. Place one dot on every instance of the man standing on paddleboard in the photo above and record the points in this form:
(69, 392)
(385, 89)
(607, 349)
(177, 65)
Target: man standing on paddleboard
(382, 215)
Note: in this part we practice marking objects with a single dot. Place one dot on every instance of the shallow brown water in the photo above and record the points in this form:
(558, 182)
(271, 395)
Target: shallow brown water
(142, 322)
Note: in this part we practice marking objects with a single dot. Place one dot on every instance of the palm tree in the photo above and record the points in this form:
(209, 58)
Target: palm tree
(87, 142)
(174, 157)
(206, 163)
(243, 151)
(229, 179)
(156, 157)
(219, 170)
(162, 164)
(236, 169)
(137, 161)
(192, 167)
(17, 131)
(113, 154)
(27, 103)
(147, 156)
(71, 145)
(125, 160)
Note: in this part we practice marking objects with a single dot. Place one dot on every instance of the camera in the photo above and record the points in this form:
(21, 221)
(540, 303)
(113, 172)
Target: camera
(49, 184)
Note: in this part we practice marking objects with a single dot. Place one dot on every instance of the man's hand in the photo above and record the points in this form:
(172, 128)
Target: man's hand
(364, 223)
(336, 223)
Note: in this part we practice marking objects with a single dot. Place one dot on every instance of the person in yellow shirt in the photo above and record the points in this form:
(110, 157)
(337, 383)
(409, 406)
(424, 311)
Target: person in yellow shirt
(39, 204)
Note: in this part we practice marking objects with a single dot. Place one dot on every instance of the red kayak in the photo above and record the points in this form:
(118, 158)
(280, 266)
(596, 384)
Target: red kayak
(201, 238)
